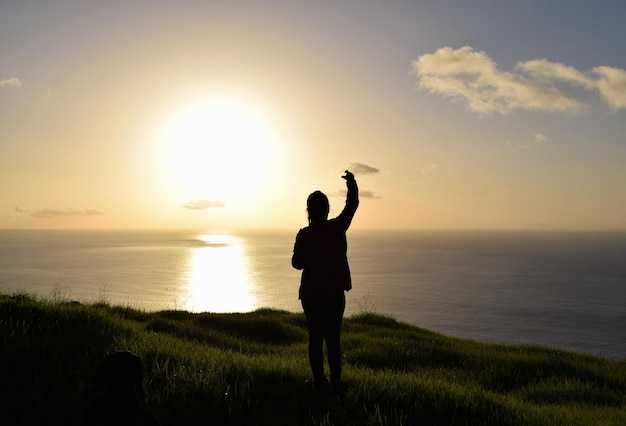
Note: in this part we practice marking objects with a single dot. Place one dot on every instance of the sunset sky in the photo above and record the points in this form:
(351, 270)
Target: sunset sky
(226, 115)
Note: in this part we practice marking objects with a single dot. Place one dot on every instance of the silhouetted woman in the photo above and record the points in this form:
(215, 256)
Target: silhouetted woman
(320, 252)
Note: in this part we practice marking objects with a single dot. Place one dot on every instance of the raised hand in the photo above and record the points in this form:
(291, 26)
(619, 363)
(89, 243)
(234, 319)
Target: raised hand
(349, 176)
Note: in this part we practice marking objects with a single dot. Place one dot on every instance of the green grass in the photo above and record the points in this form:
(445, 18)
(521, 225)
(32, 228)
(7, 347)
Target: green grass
(252, 368)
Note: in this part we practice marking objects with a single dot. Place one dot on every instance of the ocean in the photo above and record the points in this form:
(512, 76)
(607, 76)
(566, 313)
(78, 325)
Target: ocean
(560, 289)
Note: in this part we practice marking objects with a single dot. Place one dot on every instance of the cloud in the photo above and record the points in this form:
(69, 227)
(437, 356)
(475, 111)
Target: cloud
(362, 194)
(362, 169)
(368, 194)
(472, 77)
(202, 204)
(430, 168)
(612, 86)
(544, 71)
(11, 82)
(540, 137)
(65, 212)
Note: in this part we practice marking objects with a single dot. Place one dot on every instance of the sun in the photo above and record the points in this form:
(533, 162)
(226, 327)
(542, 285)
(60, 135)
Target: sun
(218, 148)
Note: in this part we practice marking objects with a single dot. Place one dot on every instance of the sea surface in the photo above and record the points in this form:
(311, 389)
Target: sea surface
(565, 290)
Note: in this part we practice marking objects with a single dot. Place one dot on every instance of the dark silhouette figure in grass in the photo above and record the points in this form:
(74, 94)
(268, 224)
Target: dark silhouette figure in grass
(115, 395)
(320, 251)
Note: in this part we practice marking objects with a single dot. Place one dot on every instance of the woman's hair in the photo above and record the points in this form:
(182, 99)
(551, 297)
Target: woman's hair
(317, 205)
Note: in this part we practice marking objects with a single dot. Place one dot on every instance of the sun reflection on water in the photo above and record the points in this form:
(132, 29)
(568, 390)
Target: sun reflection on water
(218, 276)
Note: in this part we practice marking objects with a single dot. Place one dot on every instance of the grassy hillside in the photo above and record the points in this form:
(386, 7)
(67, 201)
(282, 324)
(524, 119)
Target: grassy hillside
(232, 369)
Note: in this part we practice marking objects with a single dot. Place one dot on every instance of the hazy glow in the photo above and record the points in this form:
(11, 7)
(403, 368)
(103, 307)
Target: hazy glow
(219, 279)
(217, 148)
(224, 116)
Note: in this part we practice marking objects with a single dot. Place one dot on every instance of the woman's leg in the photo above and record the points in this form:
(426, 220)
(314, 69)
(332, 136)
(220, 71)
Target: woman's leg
(315, 317)
(334, 314)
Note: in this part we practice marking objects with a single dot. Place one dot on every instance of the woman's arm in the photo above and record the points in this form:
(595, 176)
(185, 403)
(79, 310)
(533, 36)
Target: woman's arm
(352, 201)
(297, 260)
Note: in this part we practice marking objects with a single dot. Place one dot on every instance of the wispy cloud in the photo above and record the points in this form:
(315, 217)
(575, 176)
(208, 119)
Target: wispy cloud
(363, 193)
(362, 169)
(546, 72)
(11, 82)
(62, 212)
(6, 213)
(472, 77)
(612, 86)
(202, 204)
(430, 169)
(540, 137)
(368, 194)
